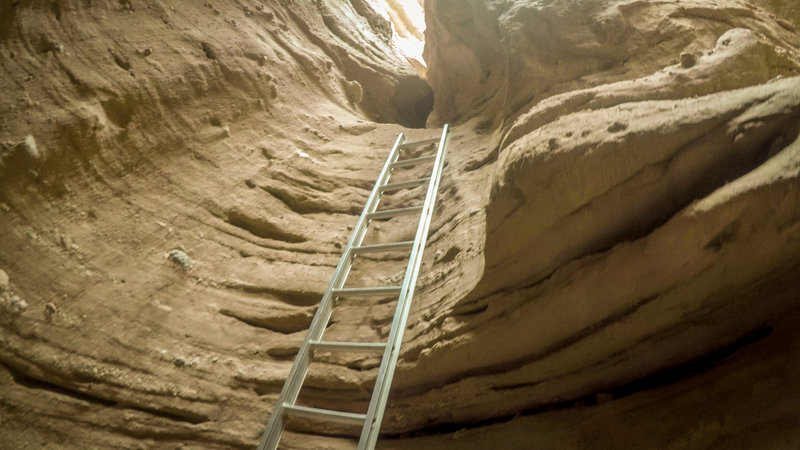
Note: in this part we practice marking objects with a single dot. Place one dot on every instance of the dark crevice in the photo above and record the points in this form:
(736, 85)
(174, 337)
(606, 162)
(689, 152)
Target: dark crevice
(209, 50)
(295, 298)
(261, 227)
(725, 236)
(297, 205)
(469, 309)
(698, 366)
(8, 17)
(118, 111)
(121, 61)
(267, 246)
(302, 204)
(35, 383)
(264, 388)
(655, 380)
(298, 321)
(173, 414)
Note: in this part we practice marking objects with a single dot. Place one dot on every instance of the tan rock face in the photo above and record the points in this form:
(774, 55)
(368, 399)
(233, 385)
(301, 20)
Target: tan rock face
(500, 57)
(613, 263)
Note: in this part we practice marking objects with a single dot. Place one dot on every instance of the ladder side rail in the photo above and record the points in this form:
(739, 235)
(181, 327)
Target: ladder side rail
(291, 388)
(380, 394)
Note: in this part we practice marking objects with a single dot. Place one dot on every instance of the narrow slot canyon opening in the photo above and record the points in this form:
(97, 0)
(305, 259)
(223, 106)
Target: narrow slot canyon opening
(407, 18)
(412, 97)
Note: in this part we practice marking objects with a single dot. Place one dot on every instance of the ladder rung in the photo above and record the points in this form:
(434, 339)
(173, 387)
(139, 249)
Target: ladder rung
(413, 161)
(374, 248)
(358, 292)
(325, 414)
(394, 212)
(422, 142)
(348, 346)
(404, 184)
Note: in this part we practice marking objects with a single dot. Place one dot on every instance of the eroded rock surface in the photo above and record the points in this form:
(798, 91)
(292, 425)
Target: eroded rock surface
(612, 263)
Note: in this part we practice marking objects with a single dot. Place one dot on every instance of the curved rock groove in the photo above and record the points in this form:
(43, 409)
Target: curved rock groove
(618, 212)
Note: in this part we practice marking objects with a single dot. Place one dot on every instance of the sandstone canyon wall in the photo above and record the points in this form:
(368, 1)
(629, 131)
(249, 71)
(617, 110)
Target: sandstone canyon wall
(613, 262)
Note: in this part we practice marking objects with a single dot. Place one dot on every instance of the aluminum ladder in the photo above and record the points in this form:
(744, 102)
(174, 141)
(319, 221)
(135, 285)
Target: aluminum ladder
(371, 421)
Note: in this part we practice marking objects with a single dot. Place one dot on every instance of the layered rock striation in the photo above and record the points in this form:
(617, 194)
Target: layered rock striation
(612, 263)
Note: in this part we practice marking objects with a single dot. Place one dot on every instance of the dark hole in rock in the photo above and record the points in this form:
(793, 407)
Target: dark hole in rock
(413, 99)
(118, 112)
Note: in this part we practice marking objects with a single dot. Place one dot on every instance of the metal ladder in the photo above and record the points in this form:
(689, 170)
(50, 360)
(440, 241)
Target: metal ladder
(371, 421)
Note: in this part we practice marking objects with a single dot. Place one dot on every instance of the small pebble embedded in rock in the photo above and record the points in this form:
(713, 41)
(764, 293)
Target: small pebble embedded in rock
(617, 126)
(50, 310)
(18, 306)
(180, 257)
